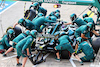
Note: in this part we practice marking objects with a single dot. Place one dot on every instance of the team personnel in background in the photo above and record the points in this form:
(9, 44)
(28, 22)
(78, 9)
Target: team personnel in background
(76, 20)
(16, 40)
(23, 46)
(57, 15)
(40, 9)
(54, 12)
(4, 42)
(64, 43)
(84, 47)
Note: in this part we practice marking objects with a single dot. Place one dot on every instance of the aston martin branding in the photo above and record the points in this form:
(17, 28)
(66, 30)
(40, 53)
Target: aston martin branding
(54, 1)
(64, 2)
(50, 1)
(37, 0)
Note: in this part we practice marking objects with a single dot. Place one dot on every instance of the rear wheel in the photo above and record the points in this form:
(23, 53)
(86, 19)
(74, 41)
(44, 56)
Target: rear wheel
(65, 54)
(96, 44)
(17, 31)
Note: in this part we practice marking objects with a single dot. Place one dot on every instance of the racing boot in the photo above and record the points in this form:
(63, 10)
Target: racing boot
(81, 63)
(4, 55)
(18, 64)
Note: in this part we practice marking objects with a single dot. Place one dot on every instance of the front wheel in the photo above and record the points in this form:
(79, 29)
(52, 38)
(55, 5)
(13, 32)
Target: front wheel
(65, 54)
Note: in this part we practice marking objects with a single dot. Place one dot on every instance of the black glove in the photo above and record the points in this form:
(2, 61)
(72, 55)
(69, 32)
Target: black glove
(23, 52)
(61, 23)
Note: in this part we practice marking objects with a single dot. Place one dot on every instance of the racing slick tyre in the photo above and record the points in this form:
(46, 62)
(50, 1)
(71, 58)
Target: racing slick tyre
(17, 31)
(96, 44)
(65, 54)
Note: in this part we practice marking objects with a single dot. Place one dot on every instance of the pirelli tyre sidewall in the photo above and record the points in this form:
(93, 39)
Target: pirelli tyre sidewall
(17, 31)
(96, 44)
(65, 54)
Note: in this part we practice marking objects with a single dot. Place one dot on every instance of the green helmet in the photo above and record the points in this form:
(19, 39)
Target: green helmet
(11, 34)
(27, 32)
(57, 11)
(57, 15)
(90, 25)
(85, 15)
(33, 33)
(79, 39)
(21, 21)
(73, 16)
(36, 5)
(53, 18)
(10, 31)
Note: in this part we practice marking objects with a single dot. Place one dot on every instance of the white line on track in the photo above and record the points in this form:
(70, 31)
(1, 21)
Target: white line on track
(74, 59)
(34, 66)
(9, 7)
(95, 65)
(71, 61)
(9, 57)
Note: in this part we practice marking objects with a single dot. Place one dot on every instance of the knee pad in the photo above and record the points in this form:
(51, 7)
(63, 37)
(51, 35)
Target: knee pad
(17, 57)
(75, 54)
